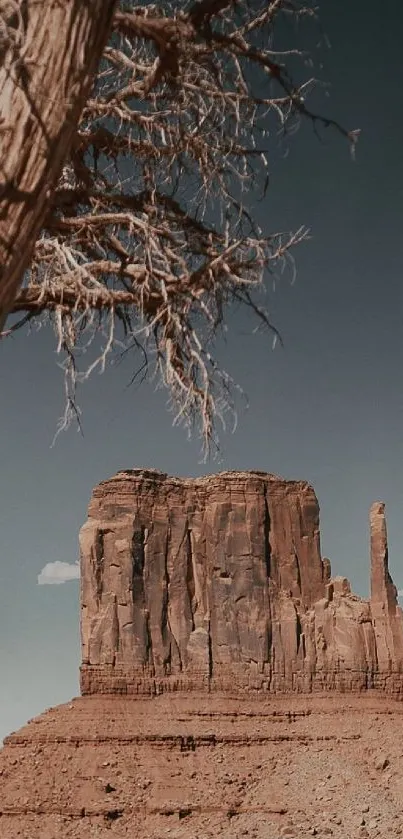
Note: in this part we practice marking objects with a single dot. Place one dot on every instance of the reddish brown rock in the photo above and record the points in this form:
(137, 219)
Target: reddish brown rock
(386, 613)
(218, 583)
(217, 586)
(179, 766)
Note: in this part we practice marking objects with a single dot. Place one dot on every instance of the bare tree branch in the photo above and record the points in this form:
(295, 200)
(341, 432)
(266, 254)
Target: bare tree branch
(151, 234)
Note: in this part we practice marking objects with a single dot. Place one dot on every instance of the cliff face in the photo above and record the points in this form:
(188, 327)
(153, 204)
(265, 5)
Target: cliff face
(386, 614)
(218, 583)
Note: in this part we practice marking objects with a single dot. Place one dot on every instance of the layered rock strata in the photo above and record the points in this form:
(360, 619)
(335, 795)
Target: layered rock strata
(218, 583)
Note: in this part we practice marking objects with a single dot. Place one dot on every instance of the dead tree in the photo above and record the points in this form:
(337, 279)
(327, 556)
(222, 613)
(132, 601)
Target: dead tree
(49, 53)
(150, 234)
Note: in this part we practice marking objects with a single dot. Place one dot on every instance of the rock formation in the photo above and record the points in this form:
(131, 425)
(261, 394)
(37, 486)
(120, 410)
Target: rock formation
(385, 612)
(218, 583)
(217, 586)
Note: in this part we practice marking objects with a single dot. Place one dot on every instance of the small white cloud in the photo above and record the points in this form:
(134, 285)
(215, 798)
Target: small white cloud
(54, 573)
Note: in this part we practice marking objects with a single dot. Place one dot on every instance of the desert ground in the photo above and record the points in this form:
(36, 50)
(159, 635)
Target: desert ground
(203, 766)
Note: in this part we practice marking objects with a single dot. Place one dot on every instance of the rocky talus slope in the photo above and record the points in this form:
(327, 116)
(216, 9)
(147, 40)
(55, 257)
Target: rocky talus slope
(184, 766)
(231, 686)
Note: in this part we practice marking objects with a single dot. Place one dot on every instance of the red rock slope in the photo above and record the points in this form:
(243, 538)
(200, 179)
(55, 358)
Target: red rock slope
(183, 766)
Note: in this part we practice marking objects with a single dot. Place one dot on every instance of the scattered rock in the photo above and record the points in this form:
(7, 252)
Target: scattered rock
(110, 788)
(112, 815)
(288, 831)
(382, 763)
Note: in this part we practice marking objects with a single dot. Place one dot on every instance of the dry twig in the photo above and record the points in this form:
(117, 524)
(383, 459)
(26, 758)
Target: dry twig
(151, 235)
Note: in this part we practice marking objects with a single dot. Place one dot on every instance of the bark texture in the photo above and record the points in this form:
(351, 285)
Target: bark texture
(48, 56)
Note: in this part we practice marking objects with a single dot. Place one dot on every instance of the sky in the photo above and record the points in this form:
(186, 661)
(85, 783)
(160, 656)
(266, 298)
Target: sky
(327, 407)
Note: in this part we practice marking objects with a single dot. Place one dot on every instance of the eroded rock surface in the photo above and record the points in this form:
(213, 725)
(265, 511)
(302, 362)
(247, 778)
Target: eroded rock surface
(218, 583)
(385, 611)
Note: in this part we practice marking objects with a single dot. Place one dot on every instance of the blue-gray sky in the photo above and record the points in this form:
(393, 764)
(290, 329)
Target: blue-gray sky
(327, 408)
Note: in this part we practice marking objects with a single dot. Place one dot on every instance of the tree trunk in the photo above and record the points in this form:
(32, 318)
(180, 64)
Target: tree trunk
(49, 53)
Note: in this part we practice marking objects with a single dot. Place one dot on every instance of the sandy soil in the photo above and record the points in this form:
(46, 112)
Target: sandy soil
(181, 767)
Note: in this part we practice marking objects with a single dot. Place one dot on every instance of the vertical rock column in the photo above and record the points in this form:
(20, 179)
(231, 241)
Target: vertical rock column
(386, 614)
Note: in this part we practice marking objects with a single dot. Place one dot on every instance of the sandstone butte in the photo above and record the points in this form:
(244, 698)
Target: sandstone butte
(218, 583)
(230, 685)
